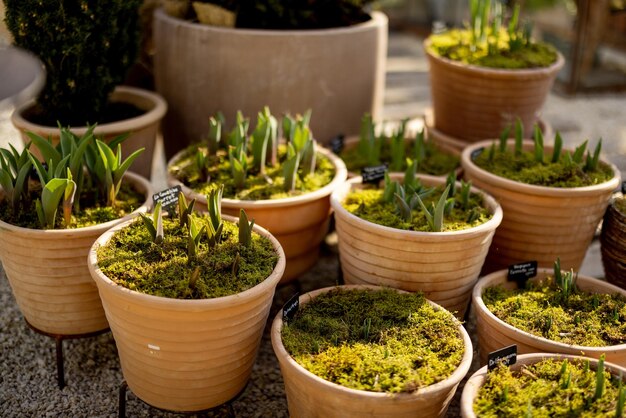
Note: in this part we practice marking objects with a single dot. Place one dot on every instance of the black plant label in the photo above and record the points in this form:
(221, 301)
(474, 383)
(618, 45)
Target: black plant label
(505, 356)
(476, 153)
(521, 272)
(373, 174)
(337, 143)
(168, 198)
(624, 188)
(291, 307)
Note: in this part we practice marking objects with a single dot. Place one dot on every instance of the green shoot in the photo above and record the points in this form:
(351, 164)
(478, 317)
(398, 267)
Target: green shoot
(451, 183)
(113, 169)
(558, 148)
(193, 279)
(492, 152)
(565, 281)
(410, 175)
(238, 165)
(434, 217)
(504, 136)
(519, 136)
(419, 147)
(260, 140)
(397, 150)
(216, 124)
(579, 153)
(68, 199)
(215, 225)
(369, 144)
(245, 229)
(367, 324)
(621, 399)
(465, 194)
(599, 379)
(405, 209)
(238, 136)
(236, 264)
(272, 144)
(14, 172)
(473, 216)
(566, 377)
(195, 232)
(592, 162)
(514, 39)
(309, 158)
(538, 138)
(184, 209)
(389, 189)
(290, 168)
(202, 164)
(154, 224)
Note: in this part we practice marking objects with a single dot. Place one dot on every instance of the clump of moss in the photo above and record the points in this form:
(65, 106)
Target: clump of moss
(575, 317)
(379, 341)
(620, 205)
(549, 388)
(131, 259)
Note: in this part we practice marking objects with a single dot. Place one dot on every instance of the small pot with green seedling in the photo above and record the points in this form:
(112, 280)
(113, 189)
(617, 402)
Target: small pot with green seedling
(427, 234)
(613, 242)
(50, 215)
(284, 186)
(555, 312)
(553, 199)
(542, 384)
(484, 76)
(351, 351)
(187, 296)
(374, 147)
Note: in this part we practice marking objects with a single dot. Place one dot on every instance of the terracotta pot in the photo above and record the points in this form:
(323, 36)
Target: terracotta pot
(540, 223)
(143, 128)
(186, 355)
(47, 271)
(474, 103)
(476, 381)
(493, 333)
(443, 265)
(613, 246)
(299, 223)
(311, 396)
(339, 73)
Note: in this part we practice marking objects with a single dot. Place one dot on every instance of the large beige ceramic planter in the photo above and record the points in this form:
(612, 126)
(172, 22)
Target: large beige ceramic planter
(443, 265)
(142, 129)
(310, 396)
(47, 271)
(478, 379)
(474, 103)
(493, 333)
(186, 355)
(200, 70)
(540, 223)
(299, 223)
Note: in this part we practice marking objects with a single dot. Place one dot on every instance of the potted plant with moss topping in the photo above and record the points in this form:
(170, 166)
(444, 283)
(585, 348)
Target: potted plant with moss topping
(553, 199)
(372, 149)
(486, 75)
(351, 351)
(285, 187)
(613, 242)
(187, 298)
(428, 234)
(87, 49)
(49, 220)
(546, 385)
(555, 312)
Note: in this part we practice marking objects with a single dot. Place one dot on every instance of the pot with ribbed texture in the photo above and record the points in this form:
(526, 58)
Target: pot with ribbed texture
(613, 242)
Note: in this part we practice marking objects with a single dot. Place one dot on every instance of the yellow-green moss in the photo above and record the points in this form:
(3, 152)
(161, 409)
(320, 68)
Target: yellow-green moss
(408, 345)
(132, 260)
(620, 205)
(257, 186)
(455, 45)
(367, 204)
(586, 319)
(540, 390)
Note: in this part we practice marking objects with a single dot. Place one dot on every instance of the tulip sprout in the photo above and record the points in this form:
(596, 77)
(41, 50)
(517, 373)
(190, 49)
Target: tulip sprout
(154, 224)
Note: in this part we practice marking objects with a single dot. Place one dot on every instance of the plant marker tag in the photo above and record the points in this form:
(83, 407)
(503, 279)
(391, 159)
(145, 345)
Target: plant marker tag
(373, 174)
(168, 198)
(521, 272)
(291, 307)
(624, 188)
(506, 356)
(336, 144)
(476, 153)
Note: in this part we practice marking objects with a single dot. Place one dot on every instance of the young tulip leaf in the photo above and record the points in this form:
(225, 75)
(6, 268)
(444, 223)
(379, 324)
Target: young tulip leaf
(579, 153)
(519, 136)
(504, 137)
(538, 138)
(290, 168)
(245, 229)
(558, 147)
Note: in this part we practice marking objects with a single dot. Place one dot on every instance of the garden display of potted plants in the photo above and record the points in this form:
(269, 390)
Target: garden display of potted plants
(555, 312)
(429, 234)
(324, 55)
(372, 149)
(285, 188)
(485, 76)
(613, 242)
(353, 351)
(49, 222)
(546, 385)
(87, 50)
(187, 298)
(553, 199)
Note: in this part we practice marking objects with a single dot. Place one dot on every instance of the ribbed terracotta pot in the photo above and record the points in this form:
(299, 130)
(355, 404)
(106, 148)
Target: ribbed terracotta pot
(540, 223)
(142, 129)
(339, 73)
(310, 396)
(443, 265)
(181, 354)
(613, 246)
(474, 103)
(478, 379)
(299, 223)
(47, 271)
(493, 333)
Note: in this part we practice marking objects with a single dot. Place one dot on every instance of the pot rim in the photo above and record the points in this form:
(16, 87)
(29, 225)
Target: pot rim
(268, 283)
(341, 174)
(450, 381)
(499, 277)
(152, 115)
(87, 230)
(338, 195)
(469, 166)
(377, 19)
